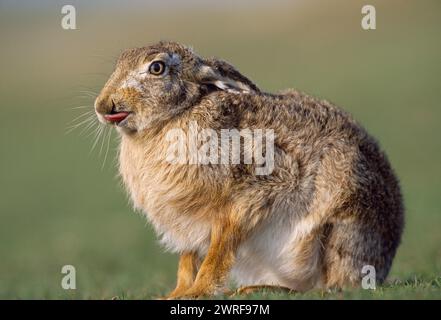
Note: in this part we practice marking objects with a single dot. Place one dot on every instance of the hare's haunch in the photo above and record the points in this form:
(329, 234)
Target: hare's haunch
(270, 189)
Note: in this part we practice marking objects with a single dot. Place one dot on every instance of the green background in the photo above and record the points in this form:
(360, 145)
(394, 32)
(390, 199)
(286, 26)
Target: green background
(62, 204)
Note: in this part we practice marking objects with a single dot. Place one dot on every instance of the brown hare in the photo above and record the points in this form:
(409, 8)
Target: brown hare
(329, 205)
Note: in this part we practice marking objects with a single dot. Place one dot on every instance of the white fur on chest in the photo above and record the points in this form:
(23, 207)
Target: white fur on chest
(153, 196)
(184, 235)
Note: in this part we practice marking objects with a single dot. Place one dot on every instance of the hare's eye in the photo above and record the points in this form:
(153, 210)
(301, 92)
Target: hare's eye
(157, 68)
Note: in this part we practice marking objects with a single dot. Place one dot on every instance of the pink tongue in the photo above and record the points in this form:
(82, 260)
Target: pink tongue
(116, 117)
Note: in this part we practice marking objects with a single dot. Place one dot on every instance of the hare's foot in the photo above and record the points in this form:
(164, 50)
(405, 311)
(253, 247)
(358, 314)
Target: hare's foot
(187, 268)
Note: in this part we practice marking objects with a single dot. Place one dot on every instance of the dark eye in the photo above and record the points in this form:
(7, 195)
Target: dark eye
(157, 68)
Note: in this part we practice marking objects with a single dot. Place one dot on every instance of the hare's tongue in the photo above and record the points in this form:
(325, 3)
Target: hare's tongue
(116, 117)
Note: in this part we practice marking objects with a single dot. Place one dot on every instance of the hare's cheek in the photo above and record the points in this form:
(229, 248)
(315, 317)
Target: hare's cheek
(130, 94)
(171, 91)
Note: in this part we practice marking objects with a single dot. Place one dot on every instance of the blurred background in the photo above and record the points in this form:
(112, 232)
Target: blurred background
(61, 203)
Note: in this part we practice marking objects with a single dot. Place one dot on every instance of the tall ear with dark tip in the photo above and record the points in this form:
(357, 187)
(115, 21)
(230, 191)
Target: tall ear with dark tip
(225, 77)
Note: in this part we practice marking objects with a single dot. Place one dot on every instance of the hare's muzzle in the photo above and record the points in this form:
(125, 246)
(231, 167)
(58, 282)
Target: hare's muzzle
(107, 110)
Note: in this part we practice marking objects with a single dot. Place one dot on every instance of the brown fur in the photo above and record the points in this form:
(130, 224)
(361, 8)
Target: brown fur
(330, 176)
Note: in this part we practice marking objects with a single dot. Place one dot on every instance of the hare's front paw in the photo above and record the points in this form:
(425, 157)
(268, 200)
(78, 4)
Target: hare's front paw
(175, 294)
(197, 292)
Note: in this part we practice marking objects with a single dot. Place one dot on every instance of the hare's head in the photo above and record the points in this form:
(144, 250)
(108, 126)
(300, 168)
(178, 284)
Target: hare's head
(153, 84)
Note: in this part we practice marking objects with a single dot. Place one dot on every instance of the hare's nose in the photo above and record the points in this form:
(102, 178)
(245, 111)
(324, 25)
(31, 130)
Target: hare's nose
(104, 105)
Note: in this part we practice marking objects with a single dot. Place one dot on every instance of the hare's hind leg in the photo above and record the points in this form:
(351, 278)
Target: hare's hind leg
(302, 270)
(350, 247)
(340, 266)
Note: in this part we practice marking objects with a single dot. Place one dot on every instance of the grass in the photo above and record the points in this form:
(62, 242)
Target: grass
(60, 205)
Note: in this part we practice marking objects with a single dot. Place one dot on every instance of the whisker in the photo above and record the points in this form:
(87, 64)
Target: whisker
(82, 86)
(73, 127)
(85, 122)
(107, 149)
(87, 113)
(94, 132)
(97, 136)
(102, 141)
(83, 96)
(86, 88)
(88, 127)
(88, 92)
(80, 107)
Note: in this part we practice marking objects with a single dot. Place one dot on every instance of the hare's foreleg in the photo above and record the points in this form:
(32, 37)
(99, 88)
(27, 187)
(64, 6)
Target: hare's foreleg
(225, 239)
(187, 269)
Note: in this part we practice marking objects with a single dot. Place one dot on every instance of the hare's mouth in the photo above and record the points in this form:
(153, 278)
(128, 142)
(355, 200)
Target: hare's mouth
(116, 116)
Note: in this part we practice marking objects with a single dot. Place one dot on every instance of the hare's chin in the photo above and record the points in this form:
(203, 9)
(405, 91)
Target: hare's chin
(125, 127)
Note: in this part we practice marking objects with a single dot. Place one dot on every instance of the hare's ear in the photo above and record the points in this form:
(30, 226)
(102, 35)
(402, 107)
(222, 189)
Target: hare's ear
(225, 77)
